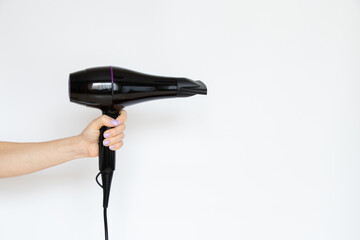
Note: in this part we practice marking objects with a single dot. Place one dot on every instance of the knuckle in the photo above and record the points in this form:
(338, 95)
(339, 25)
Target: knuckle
(104, 118)
(117, 146)
(123, 117)
(118, 129)
(119, 138)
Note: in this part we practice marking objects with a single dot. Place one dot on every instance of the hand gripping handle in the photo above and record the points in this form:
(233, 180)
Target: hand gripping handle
(106, 156)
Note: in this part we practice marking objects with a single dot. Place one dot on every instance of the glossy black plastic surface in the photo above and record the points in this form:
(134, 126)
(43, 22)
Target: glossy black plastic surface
(91, 87)
(115, 88)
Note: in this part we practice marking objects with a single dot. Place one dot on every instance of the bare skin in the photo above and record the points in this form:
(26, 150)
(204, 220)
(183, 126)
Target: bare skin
(23, 158)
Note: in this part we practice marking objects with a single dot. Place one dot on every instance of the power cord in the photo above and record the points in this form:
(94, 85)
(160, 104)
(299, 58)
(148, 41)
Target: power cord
(105, 210)
(105, 224)
(96, 178)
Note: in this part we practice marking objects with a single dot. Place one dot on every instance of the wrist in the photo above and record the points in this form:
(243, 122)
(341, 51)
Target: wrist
(80, 149)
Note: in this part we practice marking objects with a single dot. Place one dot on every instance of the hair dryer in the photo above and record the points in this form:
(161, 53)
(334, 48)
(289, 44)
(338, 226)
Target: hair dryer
(111, 89)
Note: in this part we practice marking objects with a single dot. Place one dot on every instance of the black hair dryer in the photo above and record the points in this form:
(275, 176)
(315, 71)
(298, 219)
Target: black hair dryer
(111, 89)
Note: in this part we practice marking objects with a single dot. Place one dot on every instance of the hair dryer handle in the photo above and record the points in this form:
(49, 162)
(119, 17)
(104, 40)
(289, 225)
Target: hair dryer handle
(106, 156)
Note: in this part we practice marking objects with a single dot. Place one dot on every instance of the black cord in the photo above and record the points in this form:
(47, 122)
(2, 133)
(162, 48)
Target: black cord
(105, 210)
(96, 178)
(105, 224)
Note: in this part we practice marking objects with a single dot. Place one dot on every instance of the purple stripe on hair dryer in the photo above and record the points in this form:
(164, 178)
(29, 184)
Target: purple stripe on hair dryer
(111, 89)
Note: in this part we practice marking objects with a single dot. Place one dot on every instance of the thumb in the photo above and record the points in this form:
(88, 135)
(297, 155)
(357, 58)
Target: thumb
(104, 120)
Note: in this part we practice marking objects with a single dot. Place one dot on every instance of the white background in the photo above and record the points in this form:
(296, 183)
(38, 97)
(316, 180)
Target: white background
(271, 153)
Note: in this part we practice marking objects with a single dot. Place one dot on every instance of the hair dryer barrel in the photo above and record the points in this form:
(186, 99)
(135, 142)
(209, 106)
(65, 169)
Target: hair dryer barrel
(105, 87)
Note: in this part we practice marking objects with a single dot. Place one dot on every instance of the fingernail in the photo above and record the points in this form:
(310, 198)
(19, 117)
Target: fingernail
(114, 122)
(106, 135)
(112, 147)
(106, 142)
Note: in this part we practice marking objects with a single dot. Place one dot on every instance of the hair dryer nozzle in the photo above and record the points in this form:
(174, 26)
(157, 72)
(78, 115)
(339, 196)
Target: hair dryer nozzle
(187, 87)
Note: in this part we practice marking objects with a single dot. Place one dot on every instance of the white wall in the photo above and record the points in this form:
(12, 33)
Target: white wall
(271, 153)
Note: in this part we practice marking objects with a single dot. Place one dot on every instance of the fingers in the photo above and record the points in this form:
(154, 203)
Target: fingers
(116, 146)
(122, 117)
(114, 131)
(113, 137)
(104, 120)
(115, 142)
(119, 129)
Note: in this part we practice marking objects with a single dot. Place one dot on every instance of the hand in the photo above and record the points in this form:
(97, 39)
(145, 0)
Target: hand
(89, 138)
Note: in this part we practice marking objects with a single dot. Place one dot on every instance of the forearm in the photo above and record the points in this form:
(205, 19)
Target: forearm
(22, 158)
